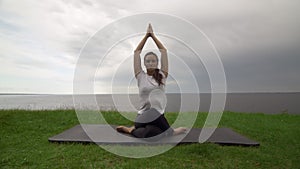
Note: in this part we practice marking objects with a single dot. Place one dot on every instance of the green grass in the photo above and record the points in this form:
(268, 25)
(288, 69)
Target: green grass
(24, 143)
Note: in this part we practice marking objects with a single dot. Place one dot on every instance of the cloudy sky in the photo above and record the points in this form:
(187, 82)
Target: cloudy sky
(258, 43)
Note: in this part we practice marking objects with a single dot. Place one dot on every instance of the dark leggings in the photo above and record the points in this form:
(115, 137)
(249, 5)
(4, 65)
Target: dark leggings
(151, 123)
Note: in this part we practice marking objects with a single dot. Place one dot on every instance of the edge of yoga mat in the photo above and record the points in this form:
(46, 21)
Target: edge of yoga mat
(98, 133)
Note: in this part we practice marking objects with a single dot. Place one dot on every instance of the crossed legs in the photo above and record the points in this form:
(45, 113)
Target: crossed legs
(149, 124)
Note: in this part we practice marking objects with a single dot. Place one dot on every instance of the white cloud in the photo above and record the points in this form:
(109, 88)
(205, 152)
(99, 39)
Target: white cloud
(41, 40)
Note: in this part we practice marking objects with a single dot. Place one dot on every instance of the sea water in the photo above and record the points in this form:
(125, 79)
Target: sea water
(270, 103)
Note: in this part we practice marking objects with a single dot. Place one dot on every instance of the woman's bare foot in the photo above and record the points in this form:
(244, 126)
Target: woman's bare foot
(179, 130)
(124, 129)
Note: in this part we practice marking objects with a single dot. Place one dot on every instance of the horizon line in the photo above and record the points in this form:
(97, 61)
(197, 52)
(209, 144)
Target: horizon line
(246, 92)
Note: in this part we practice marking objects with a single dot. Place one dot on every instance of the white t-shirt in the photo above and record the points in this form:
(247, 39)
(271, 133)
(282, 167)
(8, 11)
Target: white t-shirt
(151, 95)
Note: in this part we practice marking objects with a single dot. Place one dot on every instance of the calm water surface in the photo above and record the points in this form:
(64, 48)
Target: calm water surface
(270, 103)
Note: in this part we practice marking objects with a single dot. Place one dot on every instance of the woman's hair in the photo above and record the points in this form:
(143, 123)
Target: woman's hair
(156, 75)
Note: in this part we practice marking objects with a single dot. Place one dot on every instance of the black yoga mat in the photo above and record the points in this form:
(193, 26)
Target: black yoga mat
(105, 134)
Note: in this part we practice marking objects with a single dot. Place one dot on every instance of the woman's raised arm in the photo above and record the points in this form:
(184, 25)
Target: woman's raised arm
(137, 57)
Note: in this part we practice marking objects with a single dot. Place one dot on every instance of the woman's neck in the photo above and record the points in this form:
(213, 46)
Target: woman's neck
(150, 71)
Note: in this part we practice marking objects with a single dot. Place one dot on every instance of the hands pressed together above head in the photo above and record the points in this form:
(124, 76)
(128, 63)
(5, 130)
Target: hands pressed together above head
(150, 31)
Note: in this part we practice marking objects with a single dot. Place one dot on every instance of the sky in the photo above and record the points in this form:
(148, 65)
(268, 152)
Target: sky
(258, 43)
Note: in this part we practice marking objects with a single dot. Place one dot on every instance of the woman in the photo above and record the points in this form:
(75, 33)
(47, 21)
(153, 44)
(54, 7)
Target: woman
(150, 120)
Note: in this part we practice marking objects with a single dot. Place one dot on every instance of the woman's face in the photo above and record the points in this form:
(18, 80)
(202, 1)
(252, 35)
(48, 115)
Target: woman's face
(150, 61)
